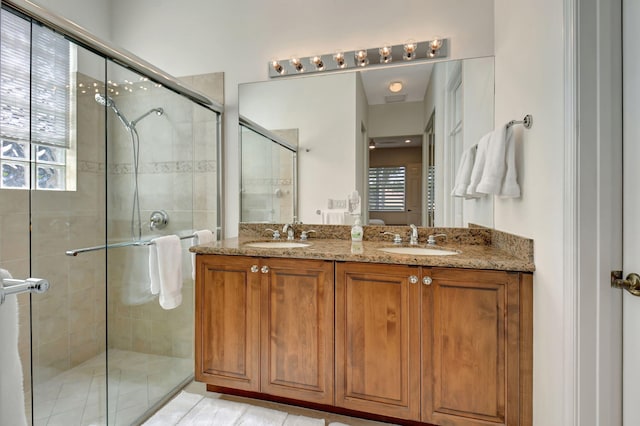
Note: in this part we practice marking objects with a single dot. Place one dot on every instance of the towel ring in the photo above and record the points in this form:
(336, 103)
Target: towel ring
(527, 122)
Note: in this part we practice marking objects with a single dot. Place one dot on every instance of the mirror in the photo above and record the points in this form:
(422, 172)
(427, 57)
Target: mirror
(399, 150)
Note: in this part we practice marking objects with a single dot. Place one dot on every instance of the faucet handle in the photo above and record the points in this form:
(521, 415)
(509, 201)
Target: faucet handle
(397, 239)
(305, 234)
(276, 233)
(431, 239)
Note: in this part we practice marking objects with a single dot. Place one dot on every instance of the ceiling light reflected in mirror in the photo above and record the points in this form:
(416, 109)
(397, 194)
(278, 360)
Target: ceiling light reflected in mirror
(395, 86)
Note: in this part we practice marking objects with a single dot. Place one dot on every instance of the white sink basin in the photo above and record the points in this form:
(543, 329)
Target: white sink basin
(419, 251)
(276, 244)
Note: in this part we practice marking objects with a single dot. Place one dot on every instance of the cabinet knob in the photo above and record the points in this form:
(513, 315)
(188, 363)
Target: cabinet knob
(254, 268)
(427, 280)
(264, 269)
(413, 279)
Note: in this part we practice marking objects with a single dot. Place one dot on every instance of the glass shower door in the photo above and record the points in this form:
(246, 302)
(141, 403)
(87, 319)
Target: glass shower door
(52, 199)
(68, 202)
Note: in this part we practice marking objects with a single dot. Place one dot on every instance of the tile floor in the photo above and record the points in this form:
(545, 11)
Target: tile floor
(136, 382)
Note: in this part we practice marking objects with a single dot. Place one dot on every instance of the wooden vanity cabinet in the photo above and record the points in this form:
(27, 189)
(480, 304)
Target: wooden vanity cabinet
(378, 339)
(266, 325)
(440, 345)
(476, 347)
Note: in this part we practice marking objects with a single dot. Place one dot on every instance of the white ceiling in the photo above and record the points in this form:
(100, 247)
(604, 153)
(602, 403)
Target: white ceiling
(414, 78)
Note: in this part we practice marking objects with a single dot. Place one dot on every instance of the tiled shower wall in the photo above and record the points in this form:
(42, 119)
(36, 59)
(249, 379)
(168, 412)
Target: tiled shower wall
(177, 173)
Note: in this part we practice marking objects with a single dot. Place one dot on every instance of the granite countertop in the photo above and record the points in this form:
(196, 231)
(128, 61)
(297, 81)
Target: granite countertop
(479, 248)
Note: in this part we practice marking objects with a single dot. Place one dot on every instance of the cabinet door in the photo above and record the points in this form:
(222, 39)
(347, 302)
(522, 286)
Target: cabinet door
(470, 347)
(377, 339)
(228, 322)
(297, 329)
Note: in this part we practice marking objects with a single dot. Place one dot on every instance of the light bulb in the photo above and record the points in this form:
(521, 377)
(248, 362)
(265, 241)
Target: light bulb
(434, 46)
(395, 86)
(297, 65)
(317, 62)
(410, 50)
(339, 58)
(277, 67)
(385, 54)
(361, 58)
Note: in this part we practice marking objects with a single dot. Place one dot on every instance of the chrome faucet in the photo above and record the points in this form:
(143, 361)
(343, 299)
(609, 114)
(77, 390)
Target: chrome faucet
(288, 228)
(413, 240)
(397, 239)
(431, 240)
(276, 233)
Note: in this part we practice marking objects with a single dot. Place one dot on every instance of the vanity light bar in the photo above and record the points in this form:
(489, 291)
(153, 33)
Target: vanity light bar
(410, 51)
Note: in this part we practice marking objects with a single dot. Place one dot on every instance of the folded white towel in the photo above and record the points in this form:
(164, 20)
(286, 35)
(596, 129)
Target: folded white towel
(12, 410)
(510, 187)
(478, 166)
(165, 270)
(463, 175)
(495, 166)
(199, 237)
(333, 216)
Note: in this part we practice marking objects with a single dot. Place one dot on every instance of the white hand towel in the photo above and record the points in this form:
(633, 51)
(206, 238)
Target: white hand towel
(478, 166)
(199, 237)
(510, 187)
(463, 176)
(165, 270)
(333, 216)
(12, 410)
(495, 166)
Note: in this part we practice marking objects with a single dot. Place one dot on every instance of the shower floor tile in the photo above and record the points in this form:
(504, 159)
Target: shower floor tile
(136, 382)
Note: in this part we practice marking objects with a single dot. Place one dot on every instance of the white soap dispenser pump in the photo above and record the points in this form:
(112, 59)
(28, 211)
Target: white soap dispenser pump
(356, 230)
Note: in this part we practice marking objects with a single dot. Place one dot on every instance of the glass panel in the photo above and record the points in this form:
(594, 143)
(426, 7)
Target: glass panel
(15, 150)
(14, 175)
(268, 180)
(69, 321)
(161, 147)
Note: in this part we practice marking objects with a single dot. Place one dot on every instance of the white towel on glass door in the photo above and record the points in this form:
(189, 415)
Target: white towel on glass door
(165, 270)
(200, 237)
(12, 410)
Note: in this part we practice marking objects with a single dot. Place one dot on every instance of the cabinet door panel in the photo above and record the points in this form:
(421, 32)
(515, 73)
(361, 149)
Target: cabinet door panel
(297, 321)
(227, 322)
(377, 340)
(469, 346)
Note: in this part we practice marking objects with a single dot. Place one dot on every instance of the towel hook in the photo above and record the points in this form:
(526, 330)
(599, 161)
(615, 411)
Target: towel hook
(527, 122)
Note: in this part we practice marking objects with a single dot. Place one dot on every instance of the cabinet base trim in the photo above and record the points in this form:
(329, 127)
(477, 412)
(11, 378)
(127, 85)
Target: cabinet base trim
(313, 406)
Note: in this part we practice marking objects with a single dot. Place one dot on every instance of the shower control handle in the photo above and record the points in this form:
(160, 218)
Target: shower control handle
(159, 220)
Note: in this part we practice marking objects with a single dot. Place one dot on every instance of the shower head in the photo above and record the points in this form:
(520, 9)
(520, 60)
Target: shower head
(110, 103)
(105, 102)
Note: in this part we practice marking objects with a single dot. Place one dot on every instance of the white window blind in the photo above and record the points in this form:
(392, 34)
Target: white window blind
(387, 188)
(35, 83)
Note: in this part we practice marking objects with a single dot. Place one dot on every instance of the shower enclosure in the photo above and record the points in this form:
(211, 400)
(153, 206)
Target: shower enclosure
(100, 153)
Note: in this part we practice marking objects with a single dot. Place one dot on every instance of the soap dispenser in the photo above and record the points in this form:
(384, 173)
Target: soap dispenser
(356, 230)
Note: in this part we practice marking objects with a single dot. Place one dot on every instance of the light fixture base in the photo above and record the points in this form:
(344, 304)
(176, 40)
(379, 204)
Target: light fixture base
(423, 52)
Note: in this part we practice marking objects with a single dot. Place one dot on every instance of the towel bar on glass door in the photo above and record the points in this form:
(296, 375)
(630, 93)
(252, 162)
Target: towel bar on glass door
(117, 245)
(10, 286)
(527, 122)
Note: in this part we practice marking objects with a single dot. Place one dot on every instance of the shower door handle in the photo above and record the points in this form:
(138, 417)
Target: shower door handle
(10, 286)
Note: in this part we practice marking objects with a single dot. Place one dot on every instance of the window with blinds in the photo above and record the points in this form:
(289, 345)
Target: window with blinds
(387, 189)
(35, 83)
